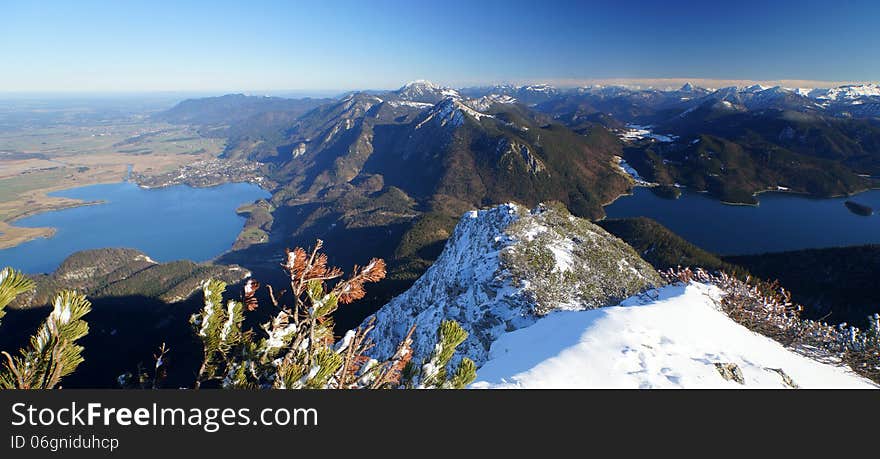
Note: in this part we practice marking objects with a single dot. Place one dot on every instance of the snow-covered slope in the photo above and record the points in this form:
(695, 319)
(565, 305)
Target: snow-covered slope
(450, 112)
(847, 93)
(673, 337)
(503, 268)
(486, 102)
(425, 91)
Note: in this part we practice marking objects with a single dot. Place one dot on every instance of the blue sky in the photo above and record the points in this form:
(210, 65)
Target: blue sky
(218, 45)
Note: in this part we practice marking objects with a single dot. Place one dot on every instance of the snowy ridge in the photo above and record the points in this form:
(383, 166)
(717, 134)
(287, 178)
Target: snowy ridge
(503, 267)
(425, 91)
(450, 112)
(464, 283)
(409, 103)
(673, 337)
(486, 102)
(539, 88)
(846, 93)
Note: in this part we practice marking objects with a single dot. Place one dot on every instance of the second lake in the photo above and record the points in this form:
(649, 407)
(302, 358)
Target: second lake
(781, 222)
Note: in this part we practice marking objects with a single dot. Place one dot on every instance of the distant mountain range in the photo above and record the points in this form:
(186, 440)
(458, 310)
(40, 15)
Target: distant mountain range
(388, 173)
(818, 141)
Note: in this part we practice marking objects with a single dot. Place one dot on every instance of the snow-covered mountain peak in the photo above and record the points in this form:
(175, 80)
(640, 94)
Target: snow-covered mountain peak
(846, 93)
(776, 90)
(755, 88)
(541, 87)
(425, 91)
(503, 268)
(420, 84)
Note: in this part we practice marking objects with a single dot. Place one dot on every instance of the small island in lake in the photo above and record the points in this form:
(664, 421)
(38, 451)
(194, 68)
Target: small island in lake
(666, 191)
(859, 209)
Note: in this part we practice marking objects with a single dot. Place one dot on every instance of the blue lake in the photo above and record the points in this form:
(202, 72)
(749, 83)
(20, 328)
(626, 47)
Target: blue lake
(782, 221)
(173, 223)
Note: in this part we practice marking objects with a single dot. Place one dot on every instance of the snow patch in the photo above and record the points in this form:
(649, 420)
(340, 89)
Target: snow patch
(846, 93)
(409, 103)
(485, 102)
(562, 256)
(638, 132)
(450, 112)
(624, 167)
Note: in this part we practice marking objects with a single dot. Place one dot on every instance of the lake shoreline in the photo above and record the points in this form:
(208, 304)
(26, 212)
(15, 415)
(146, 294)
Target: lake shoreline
(48, 232)
(178, 222)
(731, 203)
(784, 220)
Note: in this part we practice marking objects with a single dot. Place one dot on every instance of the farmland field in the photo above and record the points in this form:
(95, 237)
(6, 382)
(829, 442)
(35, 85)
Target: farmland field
(37, 160)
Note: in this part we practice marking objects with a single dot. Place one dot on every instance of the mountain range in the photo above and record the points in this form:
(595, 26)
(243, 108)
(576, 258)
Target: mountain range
(388, 173)
(391, 173)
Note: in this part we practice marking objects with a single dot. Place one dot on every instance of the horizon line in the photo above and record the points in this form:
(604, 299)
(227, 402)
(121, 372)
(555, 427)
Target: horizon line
(562, 83)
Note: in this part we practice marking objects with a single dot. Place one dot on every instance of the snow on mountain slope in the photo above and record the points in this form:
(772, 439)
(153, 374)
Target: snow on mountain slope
(450, 112)
(677, 339)
(486, 102)
(502, 269)
(638, 132)
(425, 91)
(847, 93)
(631, 172)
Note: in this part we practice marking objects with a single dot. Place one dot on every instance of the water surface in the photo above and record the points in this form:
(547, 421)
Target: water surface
(782, 221)
(178, 222)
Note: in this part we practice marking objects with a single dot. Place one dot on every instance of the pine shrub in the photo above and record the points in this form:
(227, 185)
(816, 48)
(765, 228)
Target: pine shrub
(52, 352)
(296, 348)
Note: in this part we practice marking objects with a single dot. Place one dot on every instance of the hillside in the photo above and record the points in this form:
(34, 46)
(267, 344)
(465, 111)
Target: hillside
(837, 284)
(232, 108)
(659, 246)
(137, 304)
(833, 284)
(105, 273)
(252, 125)
(449, 156)
(736, 170)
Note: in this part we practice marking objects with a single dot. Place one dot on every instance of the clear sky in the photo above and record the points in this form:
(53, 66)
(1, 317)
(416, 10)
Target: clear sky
(218, 45)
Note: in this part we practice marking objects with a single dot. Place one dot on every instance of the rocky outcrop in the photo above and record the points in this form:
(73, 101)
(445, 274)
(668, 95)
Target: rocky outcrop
(730, 372)
(506, 266)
